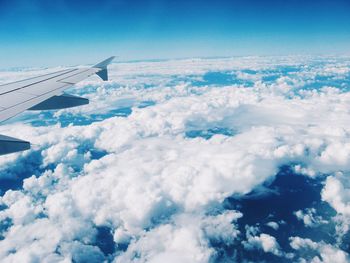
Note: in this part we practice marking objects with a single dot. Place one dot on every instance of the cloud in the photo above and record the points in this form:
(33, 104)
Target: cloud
(158, 191)
(336, 193)
(309, 218)
(273, 225)
(324, 252)
(265, 242)
(185, 240)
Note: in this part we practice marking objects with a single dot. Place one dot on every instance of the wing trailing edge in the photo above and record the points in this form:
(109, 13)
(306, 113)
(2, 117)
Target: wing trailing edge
(12, 145)
(60, 102)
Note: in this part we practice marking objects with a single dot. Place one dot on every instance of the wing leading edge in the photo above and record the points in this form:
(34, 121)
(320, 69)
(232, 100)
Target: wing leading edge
(42, 93)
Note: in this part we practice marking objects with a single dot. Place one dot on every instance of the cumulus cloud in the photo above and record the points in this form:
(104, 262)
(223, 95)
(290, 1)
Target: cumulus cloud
(309, 217)
(265, 242)
(186, 240)
(155, 188)
(337, 193)
(273, 225)
(323, 252)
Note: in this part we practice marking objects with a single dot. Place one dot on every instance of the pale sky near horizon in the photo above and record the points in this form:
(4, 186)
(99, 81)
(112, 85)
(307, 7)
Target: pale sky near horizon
(50, 33)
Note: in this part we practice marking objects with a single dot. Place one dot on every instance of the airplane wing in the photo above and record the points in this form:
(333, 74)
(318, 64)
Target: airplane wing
(42, 93)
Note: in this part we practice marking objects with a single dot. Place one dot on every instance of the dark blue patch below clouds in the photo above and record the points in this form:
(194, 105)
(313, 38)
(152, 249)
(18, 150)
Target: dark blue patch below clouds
(207, 134)
(221, 78)
(104, 240)
(342, 83)
(47, 117)
(12, 177)
(288, 193)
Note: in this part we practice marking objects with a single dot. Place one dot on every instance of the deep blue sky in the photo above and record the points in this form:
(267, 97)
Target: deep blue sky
(54, 32)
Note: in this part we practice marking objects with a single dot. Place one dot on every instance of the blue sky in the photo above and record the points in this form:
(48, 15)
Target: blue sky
(53, 32)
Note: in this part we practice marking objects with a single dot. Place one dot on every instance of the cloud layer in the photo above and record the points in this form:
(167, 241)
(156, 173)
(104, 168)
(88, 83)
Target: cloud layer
(149, 163)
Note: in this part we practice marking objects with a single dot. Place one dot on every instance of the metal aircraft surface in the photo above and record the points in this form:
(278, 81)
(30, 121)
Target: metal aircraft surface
(43, 92)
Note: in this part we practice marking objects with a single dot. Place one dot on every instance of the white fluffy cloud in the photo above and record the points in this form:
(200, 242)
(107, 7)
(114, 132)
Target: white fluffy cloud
(309, 217)
(325, 253)
(265, 242)
(337, 193)
(155, 188)
(273, 225)
(185, 241)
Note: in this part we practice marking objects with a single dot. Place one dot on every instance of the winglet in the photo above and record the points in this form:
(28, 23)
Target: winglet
(102, 73)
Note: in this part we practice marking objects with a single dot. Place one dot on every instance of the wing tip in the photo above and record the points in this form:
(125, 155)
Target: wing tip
(103, 64)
